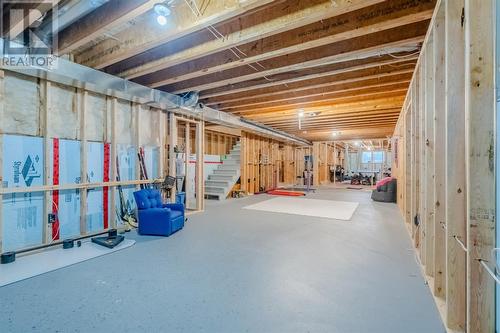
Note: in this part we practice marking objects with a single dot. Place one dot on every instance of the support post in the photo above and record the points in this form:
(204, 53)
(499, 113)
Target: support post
(200, 160)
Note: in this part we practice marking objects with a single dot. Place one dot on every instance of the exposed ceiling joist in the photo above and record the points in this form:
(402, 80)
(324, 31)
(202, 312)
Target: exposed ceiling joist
(209, 58)
(320, 90)
(390, 41)
(297, 76)
(275, 23)
(146, 34)
(92, 26)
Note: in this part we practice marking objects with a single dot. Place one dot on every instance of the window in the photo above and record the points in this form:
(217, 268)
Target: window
(366, 157)
(372, 157)
(378, 157)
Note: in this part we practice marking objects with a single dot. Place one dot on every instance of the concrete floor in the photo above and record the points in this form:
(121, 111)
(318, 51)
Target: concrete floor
(234, 270)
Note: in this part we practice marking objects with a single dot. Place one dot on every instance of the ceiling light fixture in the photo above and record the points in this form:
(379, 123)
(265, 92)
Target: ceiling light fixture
(162, 11)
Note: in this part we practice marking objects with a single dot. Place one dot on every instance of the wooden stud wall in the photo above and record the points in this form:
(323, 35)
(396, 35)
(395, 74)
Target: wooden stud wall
(217, 143)
(265, 163)
(447, 125)
(47, 124)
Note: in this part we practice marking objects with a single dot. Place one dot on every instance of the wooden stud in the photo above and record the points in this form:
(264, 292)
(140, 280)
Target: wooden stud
(480, 104)
(172, 121)
(456, 205)
(187, 155)
(82, 105)
(112, 161)
(439, 141)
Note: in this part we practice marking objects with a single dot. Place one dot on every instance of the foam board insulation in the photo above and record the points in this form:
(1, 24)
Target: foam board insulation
(95, 174)
(64, 116)
(22, 105)
(22, 213)
(68, 210)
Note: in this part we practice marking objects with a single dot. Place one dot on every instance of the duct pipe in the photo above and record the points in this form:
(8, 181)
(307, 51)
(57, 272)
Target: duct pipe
(75, 75)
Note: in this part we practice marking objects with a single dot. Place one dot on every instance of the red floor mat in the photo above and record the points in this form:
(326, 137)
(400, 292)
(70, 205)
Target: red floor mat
(286, 193)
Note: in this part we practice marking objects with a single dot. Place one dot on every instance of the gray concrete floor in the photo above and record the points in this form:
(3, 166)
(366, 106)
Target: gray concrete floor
(235, 270)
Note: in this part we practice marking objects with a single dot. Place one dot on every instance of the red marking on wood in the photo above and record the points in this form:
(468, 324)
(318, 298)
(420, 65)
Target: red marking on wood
(55, 194)
(105, 190)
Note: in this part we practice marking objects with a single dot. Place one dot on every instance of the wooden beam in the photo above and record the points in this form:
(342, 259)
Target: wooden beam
(397, 94)
(343, 91)
(429, 155)
(172, 122)
(480, 104)
(107, 17)
(439, 139)
(261, 85)
(456, 205)
(389, 41)
(82, 96)
(372, 81)
(147, 34)
(325, 29)
(350, 106)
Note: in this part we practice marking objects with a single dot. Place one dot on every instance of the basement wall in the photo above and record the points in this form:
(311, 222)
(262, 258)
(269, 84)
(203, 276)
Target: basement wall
(48, 120)
(445, 162)
(265, 163)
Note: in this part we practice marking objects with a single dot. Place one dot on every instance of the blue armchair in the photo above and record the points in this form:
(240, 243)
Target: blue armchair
(156, 218)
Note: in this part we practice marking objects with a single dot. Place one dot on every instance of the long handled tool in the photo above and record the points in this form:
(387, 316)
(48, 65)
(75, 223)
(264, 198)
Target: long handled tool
(125, 214)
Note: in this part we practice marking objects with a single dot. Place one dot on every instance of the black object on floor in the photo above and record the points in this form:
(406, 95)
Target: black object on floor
(8, 257)
(68, 243)
(112, 240)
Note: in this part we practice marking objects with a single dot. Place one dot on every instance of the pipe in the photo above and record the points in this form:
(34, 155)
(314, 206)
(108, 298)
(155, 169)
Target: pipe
(75, 75)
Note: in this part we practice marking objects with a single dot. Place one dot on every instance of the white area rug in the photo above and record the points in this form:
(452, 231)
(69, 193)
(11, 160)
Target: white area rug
(49, 260)
(339, 210)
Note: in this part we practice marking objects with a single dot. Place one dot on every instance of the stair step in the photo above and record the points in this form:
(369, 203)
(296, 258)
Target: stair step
(231, 162)
(216, 177)
(214, 190)
(225, 171)
(216, 183)
(231, 167)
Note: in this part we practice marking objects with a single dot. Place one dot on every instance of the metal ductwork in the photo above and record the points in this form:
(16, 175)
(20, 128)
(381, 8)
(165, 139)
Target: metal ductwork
(75, 75)
(68, 13)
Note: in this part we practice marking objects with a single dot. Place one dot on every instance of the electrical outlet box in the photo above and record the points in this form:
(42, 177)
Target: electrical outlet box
(52, 218)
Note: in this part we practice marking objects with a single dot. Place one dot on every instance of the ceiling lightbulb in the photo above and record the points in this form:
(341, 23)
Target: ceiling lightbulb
(162, 20)
(356, 143)
(301, 114)
(162, 11)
